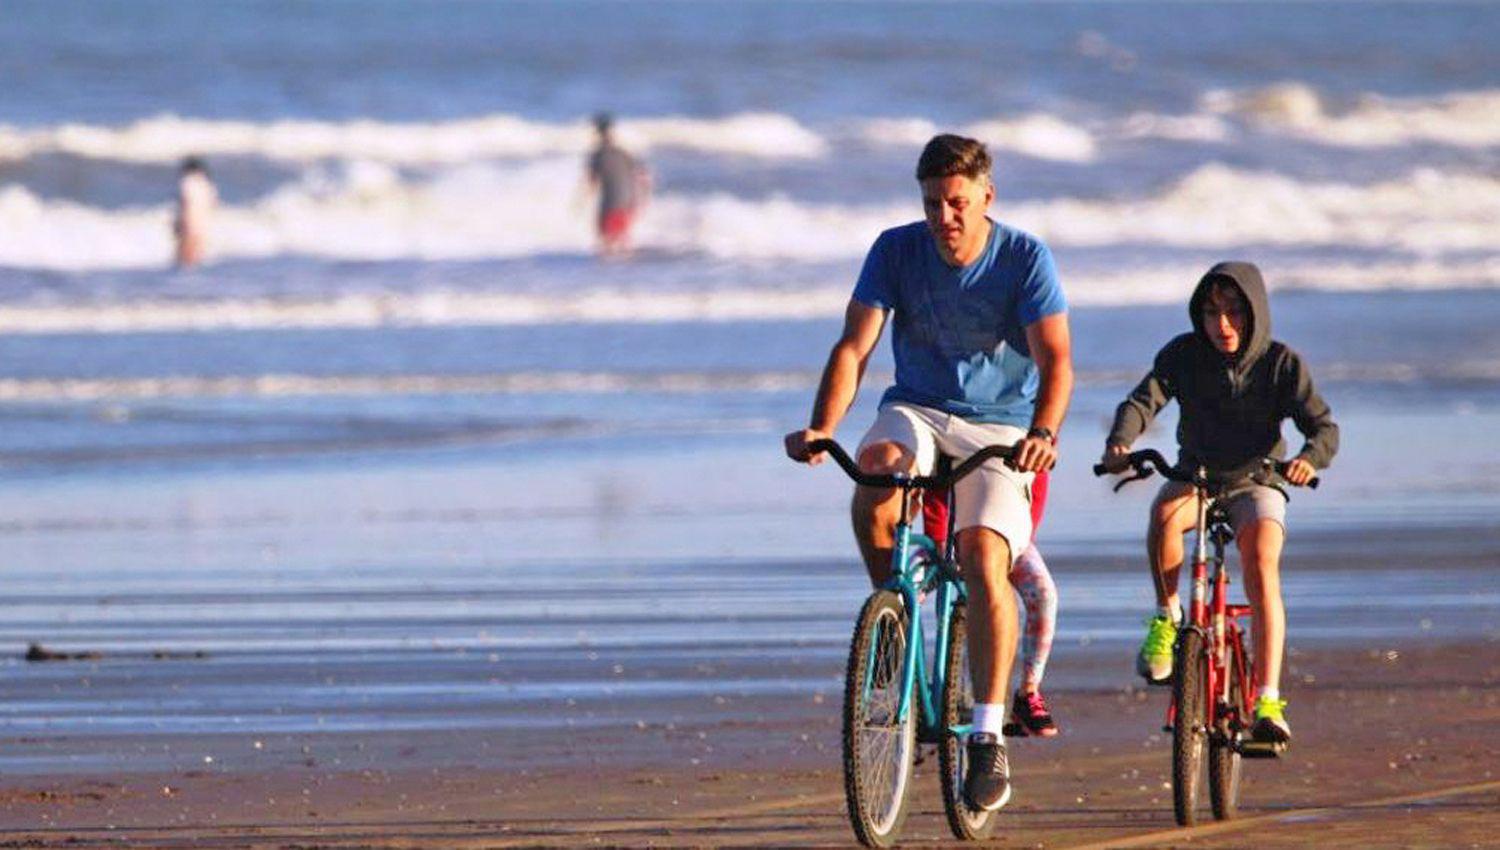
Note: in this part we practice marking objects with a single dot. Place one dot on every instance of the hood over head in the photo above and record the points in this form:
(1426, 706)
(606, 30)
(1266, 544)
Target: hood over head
(1245, 277)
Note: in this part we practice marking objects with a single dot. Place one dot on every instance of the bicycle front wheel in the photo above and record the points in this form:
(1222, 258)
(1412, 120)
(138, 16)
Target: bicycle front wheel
(1189, 727)
(879, 747)
(958, 710)
(1223, 745)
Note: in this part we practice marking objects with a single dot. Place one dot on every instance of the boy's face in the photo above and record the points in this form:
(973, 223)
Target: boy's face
(1225, 319)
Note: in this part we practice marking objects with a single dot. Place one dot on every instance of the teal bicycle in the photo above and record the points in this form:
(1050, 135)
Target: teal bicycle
(904, 688)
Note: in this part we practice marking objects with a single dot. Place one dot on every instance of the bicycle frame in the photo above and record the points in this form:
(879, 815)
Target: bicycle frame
(941, 580)
(1211, 614)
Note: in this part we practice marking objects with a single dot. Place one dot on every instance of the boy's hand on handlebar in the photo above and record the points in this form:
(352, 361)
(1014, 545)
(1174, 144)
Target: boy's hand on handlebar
(1299, 472)
(1035, 454)
(1116, 458)
(796, 446)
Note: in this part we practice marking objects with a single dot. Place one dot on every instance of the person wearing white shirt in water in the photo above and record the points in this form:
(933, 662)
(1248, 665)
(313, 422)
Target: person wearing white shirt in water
(196, 200)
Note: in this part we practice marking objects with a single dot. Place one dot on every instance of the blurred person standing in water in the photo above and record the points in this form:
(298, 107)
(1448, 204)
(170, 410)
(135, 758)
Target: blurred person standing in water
(621, 182)
(196, 200)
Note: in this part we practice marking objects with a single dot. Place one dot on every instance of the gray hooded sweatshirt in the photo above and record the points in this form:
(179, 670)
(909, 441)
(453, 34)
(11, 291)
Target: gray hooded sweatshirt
(1232, 405)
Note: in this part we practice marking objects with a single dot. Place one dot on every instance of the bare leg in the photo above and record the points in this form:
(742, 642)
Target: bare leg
(1260, 554)
(993, 628)
(1171, 517)
(189, 249)
(876, 511)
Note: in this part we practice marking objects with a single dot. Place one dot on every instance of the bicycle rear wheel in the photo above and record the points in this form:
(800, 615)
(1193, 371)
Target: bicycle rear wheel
(1223, 745)
(879, 749)
(958, 708)
(1188, 729)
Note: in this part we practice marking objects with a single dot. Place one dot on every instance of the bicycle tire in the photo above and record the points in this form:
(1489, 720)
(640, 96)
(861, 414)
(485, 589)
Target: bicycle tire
(1188, 727)
(957, 701)
(1223, 746)
(879, 754)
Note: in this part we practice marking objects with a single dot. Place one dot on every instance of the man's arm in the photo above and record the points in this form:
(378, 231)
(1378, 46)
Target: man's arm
(1052, 348)
(863, 325)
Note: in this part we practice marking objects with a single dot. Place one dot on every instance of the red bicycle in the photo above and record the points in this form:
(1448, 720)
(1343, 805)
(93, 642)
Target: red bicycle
(1213, 690)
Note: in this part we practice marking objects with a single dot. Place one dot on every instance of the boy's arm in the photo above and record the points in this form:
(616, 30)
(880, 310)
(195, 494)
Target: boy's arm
(1311, 414)
(1139, 408)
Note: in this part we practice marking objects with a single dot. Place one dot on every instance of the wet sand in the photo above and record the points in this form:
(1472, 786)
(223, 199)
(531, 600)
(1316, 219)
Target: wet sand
(1393, 675)
(1396, 747)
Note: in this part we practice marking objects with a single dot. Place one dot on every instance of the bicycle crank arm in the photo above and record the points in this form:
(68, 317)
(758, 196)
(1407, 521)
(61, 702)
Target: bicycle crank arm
(1260, 750)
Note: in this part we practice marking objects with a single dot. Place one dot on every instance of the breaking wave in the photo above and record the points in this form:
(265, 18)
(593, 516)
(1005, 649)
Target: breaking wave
(1460, 119)
(1464, 119)
(168, 138)
(369, 211)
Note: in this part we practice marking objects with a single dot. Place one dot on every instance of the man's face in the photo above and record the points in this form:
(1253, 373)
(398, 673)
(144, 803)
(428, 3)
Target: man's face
(1225, 319)
(956, 207)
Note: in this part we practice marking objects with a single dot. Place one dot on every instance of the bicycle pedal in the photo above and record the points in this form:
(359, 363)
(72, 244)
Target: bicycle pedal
(1261, 749)
(1013, 729)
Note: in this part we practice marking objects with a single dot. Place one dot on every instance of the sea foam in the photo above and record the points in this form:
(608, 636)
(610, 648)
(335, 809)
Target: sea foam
(368, 211)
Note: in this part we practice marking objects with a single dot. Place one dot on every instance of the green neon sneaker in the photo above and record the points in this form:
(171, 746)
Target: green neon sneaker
(1270, 722)
(1155, 659)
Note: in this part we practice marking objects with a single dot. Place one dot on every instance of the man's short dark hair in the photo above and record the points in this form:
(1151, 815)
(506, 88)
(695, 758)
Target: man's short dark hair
(603, 121)
(948, 155)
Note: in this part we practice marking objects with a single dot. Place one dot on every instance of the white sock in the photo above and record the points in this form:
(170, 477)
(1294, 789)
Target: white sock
(988, 717)
(1171, 612)
(1270, 693)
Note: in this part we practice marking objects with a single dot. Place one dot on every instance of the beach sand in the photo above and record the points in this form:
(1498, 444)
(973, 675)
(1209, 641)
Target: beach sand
(1397, 746)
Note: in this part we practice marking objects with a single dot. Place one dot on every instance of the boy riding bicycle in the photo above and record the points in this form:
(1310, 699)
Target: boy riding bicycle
(1234, 386)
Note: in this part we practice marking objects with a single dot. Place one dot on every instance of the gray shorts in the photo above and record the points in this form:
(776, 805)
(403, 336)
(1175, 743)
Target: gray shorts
(1245, 505)
(993, 496)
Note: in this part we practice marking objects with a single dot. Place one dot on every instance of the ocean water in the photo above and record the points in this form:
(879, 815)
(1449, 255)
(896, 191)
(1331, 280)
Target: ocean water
(403, 412)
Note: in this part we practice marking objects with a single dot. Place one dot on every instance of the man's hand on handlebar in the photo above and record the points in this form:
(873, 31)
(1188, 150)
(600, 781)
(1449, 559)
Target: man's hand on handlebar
(1299, 472)
(1116, 459)
(1035, 454)
(797, 443)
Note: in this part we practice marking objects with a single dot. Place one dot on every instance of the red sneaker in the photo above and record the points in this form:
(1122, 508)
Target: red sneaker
(1029, 716)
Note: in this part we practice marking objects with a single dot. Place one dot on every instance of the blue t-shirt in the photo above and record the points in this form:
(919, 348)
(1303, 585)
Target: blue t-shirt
(959, 334)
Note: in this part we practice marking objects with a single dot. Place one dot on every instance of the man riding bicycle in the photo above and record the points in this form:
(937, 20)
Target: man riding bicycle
(1234, 386)
(982, 357)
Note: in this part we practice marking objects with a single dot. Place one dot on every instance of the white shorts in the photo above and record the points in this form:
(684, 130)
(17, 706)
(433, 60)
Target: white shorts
(993, 496)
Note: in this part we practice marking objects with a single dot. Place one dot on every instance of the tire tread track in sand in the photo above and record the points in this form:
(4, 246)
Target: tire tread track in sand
(1178, 834)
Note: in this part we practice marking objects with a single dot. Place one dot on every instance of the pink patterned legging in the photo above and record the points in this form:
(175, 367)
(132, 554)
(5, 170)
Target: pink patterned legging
(1033, 581)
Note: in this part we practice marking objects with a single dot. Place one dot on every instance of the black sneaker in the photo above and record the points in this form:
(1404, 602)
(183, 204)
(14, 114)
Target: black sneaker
(987, 787)
(1029, 716)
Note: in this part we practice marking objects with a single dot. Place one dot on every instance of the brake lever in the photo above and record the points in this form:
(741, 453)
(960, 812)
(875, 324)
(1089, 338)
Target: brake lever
(1140, 475)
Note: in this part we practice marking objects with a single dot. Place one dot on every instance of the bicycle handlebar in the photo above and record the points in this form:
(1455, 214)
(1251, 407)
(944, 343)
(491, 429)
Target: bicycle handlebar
(1147, 461)
(922, 482)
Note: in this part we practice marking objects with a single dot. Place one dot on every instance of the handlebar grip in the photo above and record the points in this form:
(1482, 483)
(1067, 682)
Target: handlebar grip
(1100, 470)
(1283, 465)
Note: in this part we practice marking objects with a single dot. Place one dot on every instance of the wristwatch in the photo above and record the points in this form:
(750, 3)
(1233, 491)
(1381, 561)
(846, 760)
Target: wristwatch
(1041, 433)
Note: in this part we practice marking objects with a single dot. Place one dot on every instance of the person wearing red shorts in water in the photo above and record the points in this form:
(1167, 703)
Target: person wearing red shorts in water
(1029, 714)
(621, 182)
